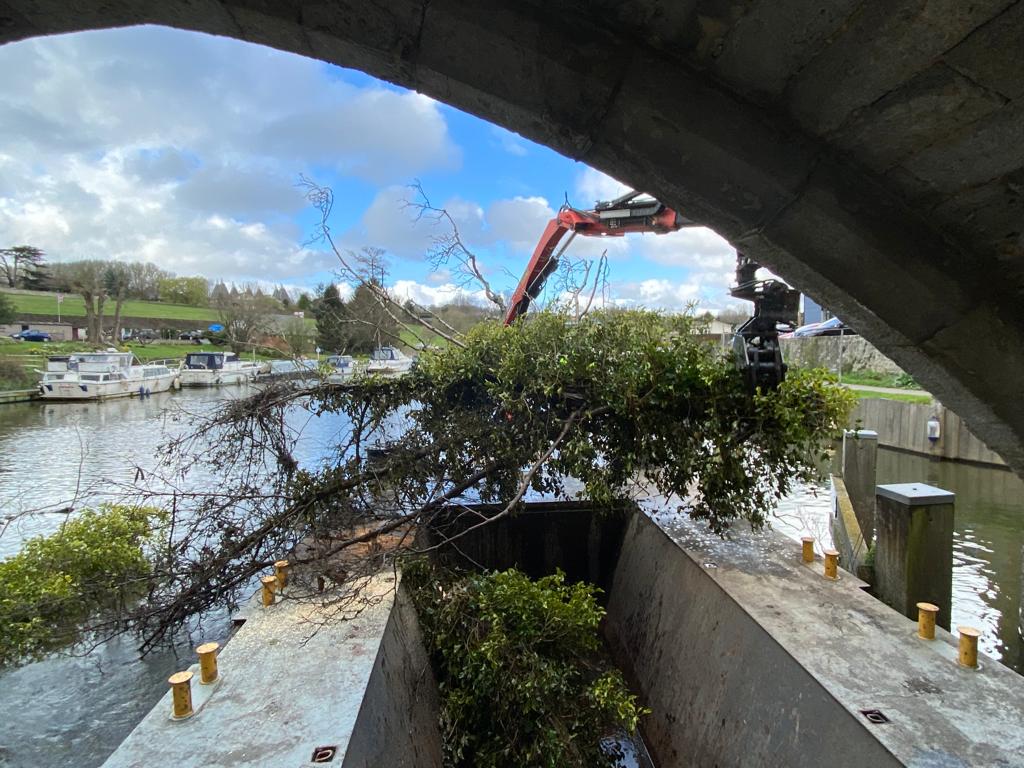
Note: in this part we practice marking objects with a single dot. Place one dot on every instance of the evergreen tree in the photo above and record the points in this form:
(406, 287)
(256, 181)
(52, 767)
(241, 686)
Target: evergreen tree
(332, 332)
(369, 323)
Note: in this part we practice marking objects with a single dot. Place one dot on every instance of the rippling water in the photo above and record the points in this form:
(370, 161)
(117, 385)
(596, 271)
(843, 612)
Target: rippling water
(75, 711)
(988, 537)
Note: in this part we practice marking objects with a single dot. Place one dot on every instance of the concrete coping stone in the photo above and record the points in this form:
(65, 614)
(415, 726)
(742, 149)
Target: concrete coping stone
(862, 434)
(915, 494)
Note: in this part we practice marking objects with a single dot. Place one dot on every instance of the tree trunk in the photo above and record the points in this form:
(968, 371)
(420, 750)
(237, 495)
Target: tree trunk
(98, 317)
(90, 314)
(119, 302)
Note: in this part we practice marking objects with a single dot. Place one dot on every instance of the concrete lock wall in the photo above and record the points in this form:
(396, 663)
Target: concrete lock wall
(824, 351)
(722, 690)
(904, 426)
(397, 725)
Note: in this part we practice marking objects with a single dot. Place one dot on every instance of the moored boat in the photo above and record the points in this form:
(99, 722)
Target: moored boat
(389, 360)
(341, 368)
(102, 375)
(217, 368)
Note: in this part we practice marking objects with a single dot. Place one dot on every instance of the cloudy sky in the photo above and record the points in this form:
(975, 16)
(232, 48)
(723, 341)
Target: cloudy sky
(185, 150)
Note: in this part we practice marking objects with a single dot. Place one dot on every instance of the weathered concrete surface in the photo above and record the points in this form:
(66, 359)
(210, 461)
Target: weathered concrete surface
(748, 657)
(848, 538)
(914, 548)
(857, 353)
(905, 426)
(398, 723)
(859, 460)
(868, 151)
(292, 683)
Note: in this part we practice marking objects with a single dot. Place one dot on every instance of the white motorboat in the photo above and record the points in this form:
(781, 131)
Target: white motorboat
(215, 369)
(102, 375)
(341, 368)
(389, 360)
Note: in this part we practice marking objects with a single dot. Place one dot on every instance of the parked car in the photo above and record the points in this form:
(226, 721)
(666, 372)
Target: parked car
(31, 335)
(831, 327)
(192, 335)
(144, 335)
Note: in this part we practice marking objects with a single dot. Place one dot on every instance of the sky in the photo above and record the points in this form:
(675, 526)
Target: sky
(186, 150)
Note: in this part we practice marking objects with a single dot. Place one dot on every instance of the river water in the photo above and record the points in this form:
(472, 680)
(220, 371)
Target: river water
(73, 711)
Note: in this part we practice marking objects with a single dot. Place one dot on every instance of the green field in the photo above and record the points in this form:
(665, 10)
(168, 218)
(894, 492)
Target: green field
(34, 353)
(865, 395)
(73, 306)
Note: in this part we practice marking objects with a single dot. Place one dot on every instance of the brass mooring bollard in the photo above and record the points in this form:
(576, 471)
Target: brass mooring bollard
(181, 695)
(269, 584)
(208, 662)
(831, 564)
(926, 613)
(281, 572)
(808, 548)
(969, 646)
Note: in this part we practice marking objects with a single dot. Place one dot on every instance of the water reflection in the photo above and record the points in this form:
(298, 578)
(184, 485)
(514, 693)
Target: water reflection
(987, 540)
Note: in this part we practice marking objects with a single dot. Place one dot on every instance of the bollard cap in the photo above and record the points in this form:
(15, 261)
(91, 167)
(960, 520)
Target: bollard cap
(207, 648)
(179, 677)
(968, 631)
(280, 563)
(831, 553)
(268, 579)
(928, 607)
(807, 539)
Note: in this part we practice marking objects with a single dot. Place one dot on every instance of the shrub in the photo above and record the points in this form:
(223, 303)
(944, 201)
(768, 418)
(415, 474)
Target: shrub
(57, 583)
(522, 674)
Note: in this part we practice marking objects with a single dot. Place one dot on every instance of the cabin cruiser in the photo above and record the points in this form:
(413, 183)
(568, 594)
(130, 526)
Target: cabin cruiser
(214, 369)
(341, 368)
(388, 360)
(102, 375)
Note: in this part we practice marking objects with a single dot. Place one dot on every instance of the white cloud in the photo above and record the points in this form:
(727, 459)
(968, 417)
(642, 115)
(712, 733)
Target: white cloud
(509, 142)
(594, 186)
(184, 148)
(433, 295)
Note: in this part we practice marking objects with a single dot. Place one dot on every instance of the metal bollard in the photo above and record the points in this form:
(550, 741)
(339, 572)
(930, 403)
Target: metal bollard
(969, 646)
(831, 564)
(269, 585)
(808, 548)
(208, 662)
(281, 572)
(181, 695)
(926, 613)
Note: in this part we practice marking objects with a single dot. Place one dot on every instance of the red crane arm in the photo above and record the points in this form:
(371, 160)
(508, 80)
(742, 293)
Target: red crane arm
(612, 219)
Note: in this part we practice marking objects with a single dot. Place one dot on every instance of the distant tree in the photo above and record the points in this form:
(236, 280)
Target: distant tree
(304, 302)
(38, 277)
(117, 279)
(246, 319)
(16, 260)
(88, 279)
(8, 314)
(735, 317)
(369, 322)
(332, 331)
(297, 336)
(144, 280)
(192, 291)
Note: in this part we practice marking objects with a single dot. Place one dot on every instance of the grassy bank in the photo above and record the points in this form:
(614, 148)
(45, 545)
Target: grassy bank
(865, 395)
(73, 306)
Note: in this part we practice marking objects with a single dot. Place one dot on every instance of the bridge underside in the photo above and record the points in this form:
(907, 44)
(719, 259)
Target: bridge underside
(871, 152)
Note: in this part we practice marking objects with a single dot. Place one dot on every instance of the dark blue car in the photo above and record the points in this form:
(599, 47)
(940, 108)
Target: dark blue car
(31, 335)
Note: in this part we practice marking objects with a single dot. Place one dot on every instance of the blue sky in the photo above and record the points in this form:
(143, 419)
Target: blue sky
(182, 149)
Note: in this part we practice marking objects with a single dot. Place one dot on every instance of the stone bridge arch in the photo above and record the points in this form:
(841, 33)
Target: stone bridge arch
(870, 151)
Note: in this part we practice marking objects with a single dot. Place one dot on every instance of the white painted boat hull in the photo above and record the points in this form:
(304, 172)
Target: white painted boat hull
(106, 390)
(216, 378)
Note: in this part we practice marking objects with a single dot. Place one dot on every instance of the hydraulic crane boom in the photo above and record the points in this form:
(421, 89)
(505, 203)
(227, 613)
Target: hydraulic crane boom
(756, 344)
(632, 212)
